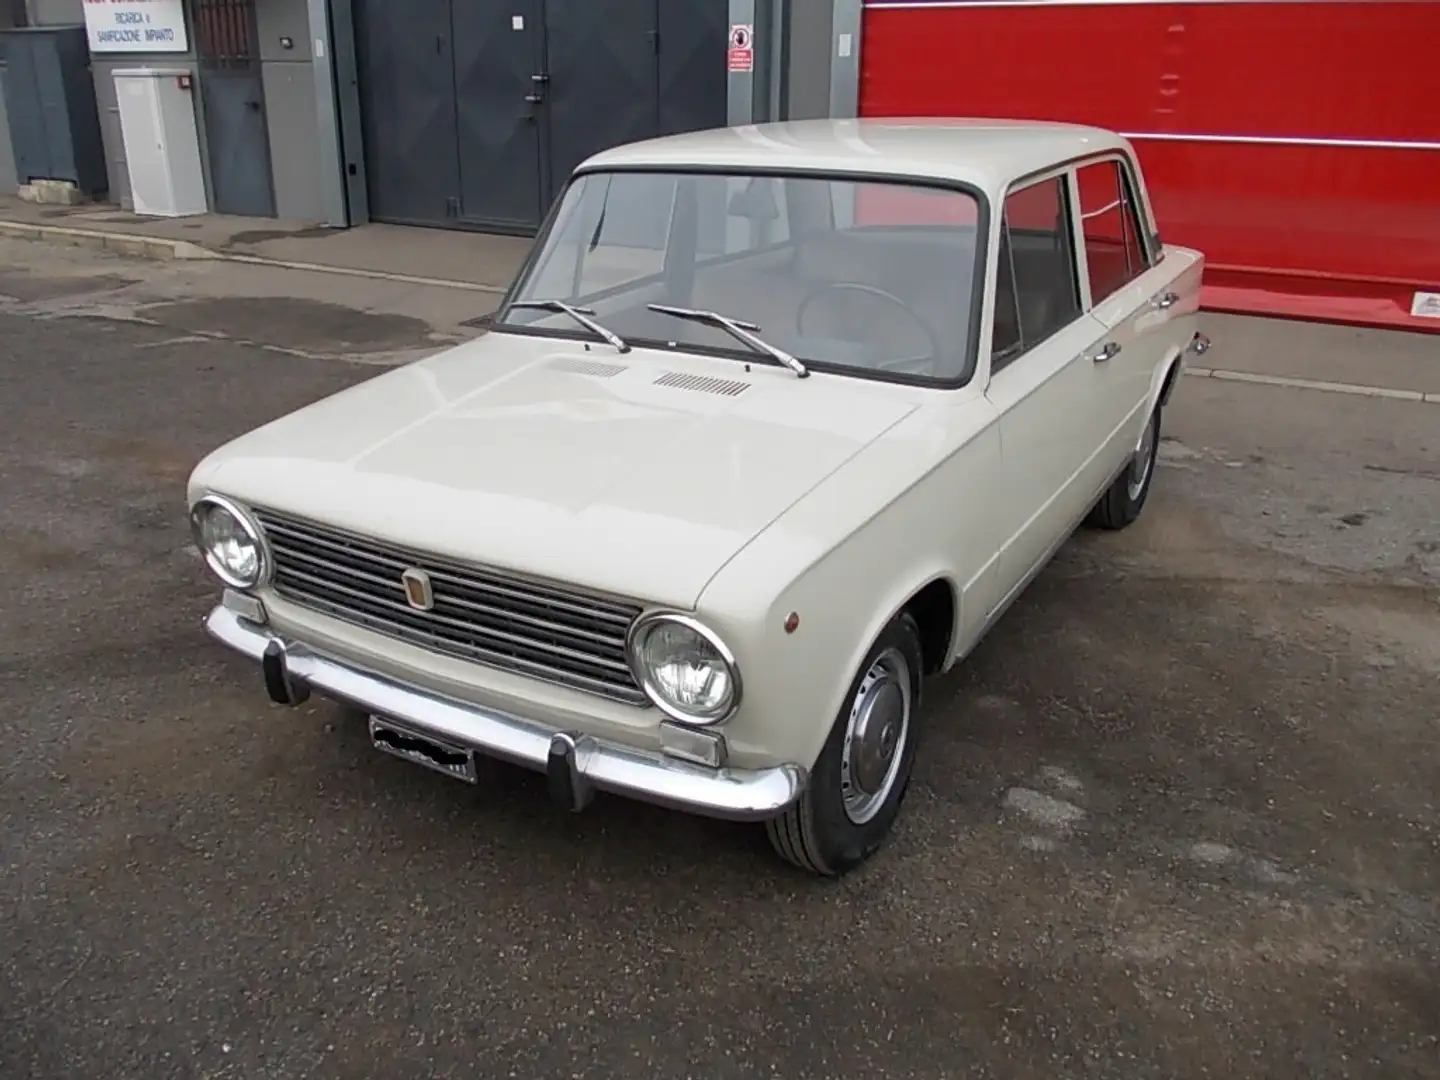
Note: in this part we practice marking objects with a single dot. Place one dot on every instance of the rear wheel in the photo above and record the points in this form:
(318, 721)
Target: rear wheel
(1122, 503)
(860, 778)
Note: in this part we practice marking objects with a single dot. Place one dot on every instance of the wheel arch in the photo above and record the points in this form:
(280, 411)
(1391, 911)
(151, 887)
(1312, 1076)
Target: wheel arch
(1162, 384)
(1173, 366)
(935, 607)
(933, 601)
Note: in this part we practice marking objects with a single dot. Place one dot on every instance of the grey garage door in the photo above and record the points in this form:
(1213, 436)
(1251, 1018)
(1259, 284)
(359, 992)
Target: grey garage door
(475, 111)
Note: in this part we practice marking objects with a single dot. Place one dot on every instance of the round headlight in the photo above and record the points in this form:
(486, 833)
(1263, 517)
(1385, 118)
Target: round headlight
(229, 540)
(685, 669)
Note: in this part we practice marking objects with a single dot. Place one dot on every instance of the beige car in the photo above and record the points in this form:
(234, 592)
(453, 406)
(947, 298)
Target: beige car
(774, 422)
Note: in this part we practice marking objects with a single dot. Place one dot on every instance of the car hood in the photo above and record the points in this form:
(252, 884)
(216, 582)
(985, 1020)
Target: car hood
(638, 474)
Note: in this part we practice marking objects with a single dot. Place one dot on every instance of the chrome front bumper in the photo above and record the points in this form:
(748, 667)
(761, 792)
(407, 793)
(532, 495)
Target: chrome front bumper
(574, 763)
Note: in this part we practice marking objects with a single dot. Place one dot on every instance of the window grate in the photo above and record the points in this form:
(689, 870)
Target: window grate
(226, 34)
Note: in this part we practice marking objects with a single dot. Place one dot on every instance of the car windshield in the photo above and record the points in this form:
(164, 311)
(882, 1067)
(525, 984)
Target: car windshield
(857, 276)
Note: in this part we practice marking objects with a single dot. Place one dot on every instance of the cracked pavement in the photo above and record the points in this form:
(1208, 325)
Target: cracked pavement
(1177, 817)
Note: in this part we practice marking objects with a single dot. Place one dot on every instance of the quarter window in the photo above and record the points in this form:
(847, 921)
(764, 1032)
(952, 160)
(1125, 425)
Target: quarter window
(1114, 244)
(1035, 286)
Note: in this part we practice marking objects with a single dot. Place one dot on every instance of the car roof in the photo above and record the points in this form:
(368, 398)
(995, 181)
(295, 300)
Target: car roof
(985, 153)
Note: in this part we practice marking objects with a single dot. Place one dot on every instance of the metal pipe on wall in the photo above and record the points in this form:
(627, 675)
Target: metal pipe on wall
(845, 59)
(327, 116)
(755, 95)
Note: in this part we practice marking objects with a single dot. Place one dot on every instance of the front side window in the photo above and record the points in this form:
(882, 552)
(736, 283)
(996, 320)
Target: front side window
(1036, 291)
(1114, 246)
(853, 276)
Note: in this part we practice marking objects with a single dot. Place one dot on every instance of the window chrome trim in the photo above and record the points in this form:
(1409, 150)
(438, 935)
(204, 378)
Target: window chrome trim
(1148, 240)
(1070, 209)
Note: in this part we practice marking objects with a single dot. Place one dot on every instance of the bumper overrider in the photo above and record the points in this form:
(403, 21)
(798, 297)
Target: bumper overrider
(575, 764)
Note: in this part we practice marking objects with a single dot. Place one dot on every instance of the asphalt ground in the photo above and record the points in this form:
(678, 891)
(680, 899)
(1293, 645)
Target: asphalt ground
(1177, 817)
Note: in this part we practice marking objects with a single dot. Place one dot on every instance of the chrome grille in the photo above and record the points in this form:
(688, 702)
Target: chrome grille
(529, 627)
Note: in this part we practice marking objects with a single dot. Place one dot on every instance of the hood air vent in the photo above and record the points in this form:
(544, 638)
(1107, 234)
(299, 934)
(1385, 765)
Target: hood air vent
(702, 384)
(597, 368)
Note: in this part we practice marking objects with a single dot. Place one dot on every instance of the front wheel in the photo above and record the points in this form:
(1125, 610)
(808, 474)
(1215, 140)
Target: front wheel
(863, 771)
(1122, 502)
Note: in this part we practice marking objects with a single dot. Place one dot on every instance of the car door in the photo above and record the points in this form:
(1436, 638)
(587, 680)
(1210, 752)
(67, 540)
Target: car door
(1041, 378)
(1130, 291)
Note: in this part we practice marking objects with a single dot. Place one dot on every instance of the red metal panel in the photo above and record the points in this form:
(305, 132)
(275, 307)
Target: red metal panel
(1333, 231)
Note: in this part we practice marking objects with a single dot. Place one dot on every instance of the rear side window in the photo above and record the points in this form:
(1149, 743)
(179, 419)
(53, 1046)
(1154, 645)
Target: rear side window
(1036, 293)
(1115, 249)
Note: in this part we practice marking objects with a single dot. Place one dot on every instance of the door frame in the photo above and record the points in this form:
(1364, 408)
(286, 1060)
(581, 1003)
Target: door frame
(1142, 348)
(212, 65)
(1057, 503)
(339, 19)
(539, 12)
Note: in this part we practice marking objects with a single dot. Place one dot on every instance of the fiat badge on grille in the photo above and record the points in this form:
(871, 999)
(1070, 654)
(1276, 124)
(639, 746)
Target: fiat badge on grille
(418, 590)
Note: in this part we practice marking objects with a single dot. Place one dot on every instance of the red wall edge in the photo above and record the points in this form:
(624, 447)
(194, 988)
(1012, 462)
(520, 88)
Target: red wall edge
(1331, 232)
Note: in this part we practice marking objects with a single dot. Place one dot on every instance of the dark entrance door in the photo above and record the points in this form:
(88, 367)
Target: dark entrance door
(233, 100)
(475, 111)
(690, 74)
(407, 109)
(621, 70)
(499, 92)
(450, 137)
(602, 59)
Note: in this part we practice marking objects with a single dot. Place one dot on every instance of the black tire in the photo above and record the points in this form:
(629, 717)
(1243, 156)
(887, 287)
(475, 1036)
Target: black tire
(819, 833)
(1122, 502)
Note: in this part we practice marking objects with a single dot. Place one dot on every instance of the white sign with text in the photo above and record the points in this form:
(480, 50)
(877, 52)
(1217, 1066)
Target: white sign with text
(136, 26)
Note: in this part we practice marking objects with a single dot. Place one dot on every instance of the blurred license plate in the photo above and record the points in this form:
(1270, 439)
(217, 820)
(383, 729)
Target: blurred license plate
(422, 749)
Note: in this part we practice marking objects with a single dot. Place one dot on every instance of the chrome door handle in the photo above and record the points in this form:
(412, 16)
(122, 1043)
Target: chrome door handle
(1167, 300)
(1107, 352)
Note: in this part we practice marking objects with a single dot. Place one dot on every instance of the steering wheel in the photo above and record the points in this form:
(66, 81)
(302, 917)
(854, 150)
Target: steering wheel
(932, 357)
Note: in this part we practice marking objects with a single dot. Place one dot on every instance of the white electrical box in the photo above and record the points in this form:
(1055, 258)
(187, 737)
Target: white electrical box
(162, 145)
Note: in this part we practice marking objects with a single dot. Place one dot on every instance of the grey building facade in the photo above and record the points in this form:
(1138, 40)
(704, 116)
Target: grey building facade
(463, 113)
(12, 13)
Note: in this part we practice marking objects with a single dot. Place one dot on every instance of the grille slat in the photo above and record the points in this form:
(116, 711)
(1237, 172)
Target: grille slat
(402, 618)
(317, 587)
(379, 557)
(501, 620)
(604, 687)
(320, 566)
(490, 612)
(322, 574)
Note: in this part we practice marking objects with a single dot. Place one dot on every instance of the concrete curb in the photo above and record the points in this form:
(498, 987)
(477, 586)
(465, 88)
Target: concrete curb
(355, 271)
(1293, 383)
(142, 247)
(164, 249)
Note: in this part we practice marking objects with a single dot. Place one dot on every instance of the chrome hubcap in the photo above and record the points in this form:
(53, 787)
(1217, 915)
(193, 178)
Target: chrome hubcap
(1143, 462)
(875, 736)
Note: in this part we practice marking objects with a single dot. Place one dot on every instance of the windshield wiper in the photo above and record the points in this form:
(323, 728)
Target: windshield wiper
(743, 331)
(580, 315)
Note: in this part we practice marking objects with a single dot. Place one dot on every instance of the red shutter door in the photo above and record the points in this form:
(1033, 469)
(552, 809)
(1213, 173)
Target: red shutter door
(1296, 143)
